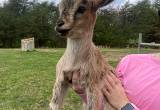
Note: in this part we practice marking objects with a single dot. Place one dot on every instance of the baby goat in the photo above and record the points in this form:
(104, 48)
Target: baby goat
(76, 23)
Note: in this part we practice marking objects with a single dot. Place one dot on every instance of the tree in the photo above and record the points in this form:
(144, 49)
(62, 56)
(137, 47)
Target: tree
(114, 28)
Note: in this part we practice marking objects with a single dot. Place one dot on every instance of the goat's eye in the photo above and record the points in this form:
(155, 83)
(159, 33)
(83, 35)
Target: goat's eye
(81, 10)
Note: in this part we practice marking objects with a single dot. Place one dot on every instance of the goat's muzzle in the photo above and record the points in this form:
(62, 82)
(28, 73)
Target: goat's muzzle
(61, 31)
(60, 28)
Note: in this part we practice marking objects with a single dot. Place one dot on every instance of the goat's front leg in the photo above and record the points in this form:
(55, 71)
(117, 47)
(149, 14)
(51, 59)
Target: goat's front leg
(95, 100)
(59, 91)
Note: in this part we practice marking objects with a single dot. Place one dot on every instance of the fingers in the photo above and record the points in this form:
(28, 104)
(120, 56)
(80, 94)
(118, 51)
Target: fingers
(113, 76)
(105, 92)
(107, 86)
(115, 79)
(107, 83)
(111, 81)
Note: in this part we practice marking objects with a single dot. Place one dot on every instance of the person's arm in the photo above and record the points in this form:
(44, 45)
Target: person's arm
(115, 94)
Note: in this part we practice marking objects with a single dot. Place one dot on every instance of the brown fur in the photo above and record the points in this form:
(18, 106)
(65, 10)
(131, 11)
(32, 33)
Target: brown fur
(81, 55)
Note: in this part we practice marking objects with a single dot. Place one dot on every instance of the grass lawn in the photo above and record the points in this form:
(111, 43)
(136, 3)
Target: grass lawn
(27, 78)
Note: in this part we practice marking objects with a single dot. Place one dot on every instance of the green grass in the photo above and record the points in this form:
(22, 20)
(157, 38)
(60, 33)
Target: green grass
(27, 78)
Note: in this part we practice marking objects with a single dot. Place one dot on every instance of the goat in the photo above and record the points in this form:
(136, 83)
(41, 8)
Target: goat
(76, 23)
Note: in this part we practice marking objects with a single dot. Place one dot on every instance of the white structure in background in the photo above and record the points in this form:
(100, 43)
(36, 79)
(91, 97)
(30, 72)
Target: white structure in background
(27, 44)
(141, 43)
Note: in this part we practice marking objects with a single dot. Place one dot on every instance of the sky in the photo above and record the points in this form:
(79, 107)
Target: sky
(118, 2)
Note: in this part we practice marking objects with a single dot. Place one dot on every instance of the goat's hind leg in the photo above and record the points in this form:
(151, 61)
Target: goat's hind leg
(95, 100)
(59, 91)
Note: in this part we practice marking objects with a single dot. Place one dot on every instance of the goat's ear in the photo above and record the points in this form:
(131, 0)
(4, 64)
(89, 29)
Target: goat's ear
(105, 2)
(100, 3)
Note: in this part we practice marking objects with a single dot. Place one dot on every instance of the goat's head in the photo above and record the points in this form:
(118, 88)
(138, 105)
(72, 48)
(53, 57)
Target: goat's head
(77, 17)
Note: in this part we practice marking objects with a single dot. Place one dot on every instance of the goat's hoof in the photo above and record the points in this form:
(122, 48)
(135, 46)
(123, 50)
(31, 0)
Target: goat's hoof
(52, 107)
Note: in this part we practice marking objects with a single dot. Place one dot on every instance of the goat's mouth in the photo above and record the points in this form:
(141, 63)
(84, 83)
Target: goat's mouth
(63, 32)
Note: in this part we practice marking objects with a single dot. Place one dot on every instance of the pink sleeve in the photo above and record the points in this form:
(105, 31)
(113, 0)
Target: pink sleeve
(120, 72)
(137, 109)
(121, 68)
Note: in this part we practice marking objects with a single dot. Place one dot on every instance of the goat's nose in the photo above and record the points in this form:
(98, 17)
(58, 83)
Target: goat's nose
(60, 23)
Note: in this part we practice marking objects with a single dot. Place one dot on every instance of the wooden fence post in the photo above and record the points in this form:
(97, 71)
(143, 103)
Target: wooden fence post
(139, 42)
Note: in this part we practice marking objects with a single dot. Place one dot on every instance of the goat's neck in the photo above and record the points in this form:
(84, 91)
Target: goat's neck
(78, 49)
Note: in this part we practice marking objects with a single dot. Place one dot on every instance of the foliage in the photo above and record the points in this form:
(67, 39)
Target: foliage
(114, 28)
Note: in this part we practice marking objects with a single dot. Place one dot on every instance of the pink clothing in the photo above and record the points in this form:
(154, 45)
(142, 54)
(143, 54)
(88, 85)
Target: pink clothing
(140, 76)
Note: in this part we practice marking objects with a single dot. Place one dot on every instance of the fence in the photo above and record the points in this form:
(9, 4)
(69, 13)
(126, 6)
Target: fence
(141, 43)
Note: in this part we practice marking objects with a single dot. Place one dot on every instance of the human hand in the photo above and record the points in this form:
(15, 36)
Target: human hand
(114, 92)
